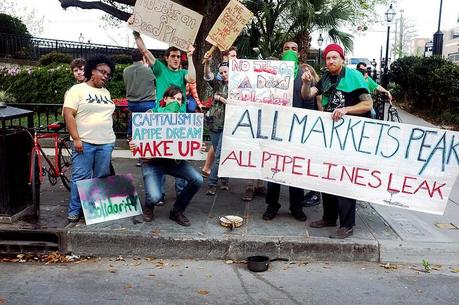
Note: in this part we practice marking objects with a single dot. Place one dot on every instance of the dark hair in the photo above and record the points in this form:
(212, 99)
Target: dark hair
(171, 91)
(226, 52)
(361, 64)
(136, 55)
(171, 49)
(94, 61)
(223, 64)
(78, 63)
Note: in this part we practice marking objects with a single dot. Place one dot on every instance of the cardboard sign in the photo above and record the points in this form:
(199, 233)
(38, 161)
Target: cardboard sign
(110, 198)
(168, 135)
(261, 81)
(228, 25)
(387, 163)
(166, 21)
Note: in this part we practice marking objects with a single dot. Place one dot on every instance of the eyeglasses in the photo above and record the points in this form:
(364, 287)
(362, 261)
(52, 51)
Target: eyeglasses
(105, 73)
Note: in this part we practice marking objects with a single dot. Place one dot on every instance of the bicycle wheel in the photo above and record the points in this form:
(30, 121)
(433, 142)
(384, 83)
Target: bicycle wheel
(65, 162)
(35, 183)
(393, 115)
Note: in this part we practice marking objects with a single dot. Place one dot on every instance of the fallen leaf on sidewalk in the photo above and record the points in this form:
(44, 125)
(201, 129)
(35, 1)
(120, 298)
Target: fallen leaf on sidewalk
(156, 232)
(120, 258)
(455, 270)
(128, 285)
(112, 270)
(203, 292)
(151, 274)
(436, 267)
(389, 266)
(229, 261)
(2, 300)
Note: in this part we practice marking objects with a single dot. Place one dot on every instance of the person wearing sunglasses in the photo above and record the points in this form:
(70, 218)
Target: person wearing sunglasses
(88, 110)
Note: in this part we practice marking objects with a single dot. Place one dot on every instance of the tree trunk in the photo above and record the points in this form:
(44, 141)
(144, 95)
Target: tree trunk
(210, 9)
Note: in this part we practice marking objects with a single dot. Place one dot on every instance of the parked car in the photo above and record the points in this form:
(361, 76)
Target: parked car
(352, 62)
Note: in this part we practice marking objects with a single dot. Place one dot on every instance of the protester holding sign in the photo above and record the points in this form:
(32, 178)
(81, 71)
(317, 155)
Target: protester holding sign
(344, 91)
(215, 118)
(169, 74)
(88, 111)
(231, 53)
(296, 195)
(154, 170)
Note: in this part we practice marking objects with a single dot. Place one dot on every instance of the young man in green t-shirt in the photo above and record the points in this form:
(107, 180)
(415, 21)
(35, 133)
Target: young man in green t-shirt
(169, 74)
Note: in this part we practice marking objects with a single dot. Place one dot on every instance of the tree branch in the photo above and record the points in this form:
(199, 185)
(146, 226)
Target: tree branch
(122, 15)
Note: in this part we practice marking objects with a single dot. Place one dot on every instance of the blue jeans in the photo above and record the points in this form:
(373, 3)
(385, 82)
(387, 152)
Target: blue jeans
(137, 107)
(153, 172)
(93, 162)
(216, 138)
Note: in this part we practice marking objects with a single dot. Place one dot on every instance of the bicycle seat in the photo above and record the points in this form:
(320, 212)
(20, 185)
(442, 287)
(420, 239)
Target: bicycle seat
(56, 126)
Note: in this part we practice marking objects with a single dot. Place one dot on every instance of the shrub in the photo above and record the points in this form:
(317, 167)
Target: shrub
(121, 59)
(429, 84)
(55, 58)
(49, 84)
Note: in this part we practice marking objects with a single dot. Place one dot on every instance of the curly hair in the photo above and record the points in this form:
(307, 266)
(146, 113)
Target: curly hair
(94, 61)
(77, 63)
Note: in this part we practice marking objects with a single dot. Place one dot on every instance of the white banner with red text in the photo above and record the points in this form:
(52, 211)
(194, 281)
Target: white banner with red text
(387, 163)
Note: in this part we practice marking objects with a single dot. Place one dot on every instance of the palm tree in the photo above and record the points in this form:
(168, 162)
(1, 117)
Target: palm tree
(277, 21)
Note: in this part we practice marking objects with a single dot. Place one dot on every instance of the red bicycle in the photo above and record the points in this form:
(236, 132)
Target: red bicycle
(60, 168)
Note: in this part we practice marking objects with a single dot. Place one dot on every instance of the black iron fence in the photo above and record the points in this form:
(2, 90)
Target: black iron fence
(32, 48)
(45, 114)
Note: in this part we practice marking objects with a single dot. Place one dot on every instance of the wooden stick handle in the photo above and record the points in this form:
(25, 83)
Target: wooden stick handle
(210, 52)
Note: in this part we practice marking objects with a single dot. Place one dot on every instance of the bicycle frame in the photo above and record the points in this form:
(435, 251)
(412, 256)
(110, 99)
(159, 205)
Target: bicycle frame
(54, 168)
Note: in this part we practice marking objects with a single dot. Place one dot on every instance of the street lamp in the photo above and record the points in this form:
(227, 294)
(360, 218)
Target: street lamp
(320, 40)
(437, 48)
(390, 14)
(81, 38)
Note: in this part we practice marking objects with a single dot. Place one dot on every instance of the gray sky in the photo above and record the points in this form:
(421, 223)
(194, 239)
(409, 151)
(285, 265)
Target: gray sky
(69, 24)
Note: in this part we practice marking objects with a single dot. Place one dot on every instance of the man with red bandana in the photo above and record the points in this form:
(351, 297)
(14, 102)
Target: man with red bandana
(344, 91)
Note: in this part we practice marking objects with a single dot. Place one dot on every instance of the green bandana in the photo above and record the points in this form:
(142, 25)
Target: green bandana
(348, 81)
(172, 107)
(290, 55)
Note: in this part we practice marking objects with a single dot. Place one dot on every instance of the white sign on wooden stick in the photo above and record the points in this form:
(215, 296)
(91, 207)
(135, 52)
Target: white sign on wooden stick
(166, 21)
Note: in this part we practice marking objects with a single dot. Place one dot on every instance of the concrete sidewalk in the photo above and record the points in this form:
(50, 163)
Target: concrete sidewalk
(381, 233)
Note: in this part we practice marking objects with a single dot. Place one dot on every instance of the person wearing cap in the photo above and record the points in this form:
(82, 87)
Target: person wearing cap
(344, 91)
(296, 195)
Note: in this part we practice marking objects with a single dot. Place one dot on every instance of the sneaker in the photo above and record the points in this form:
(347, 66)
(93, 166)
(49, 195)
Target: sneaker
(73, 218)
(322, 224)
(312, 201)
(270, 213)
(342, 233)
(224, 186)
(179, 218)
(299, 215)
(148, 214)
(211, 191)
(139, 163)
(161, 202)
(248, 194)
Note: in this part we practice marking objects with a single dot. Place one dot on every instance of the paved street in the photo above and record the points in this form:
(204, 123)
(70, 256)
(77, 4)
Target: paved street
(146, 282)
